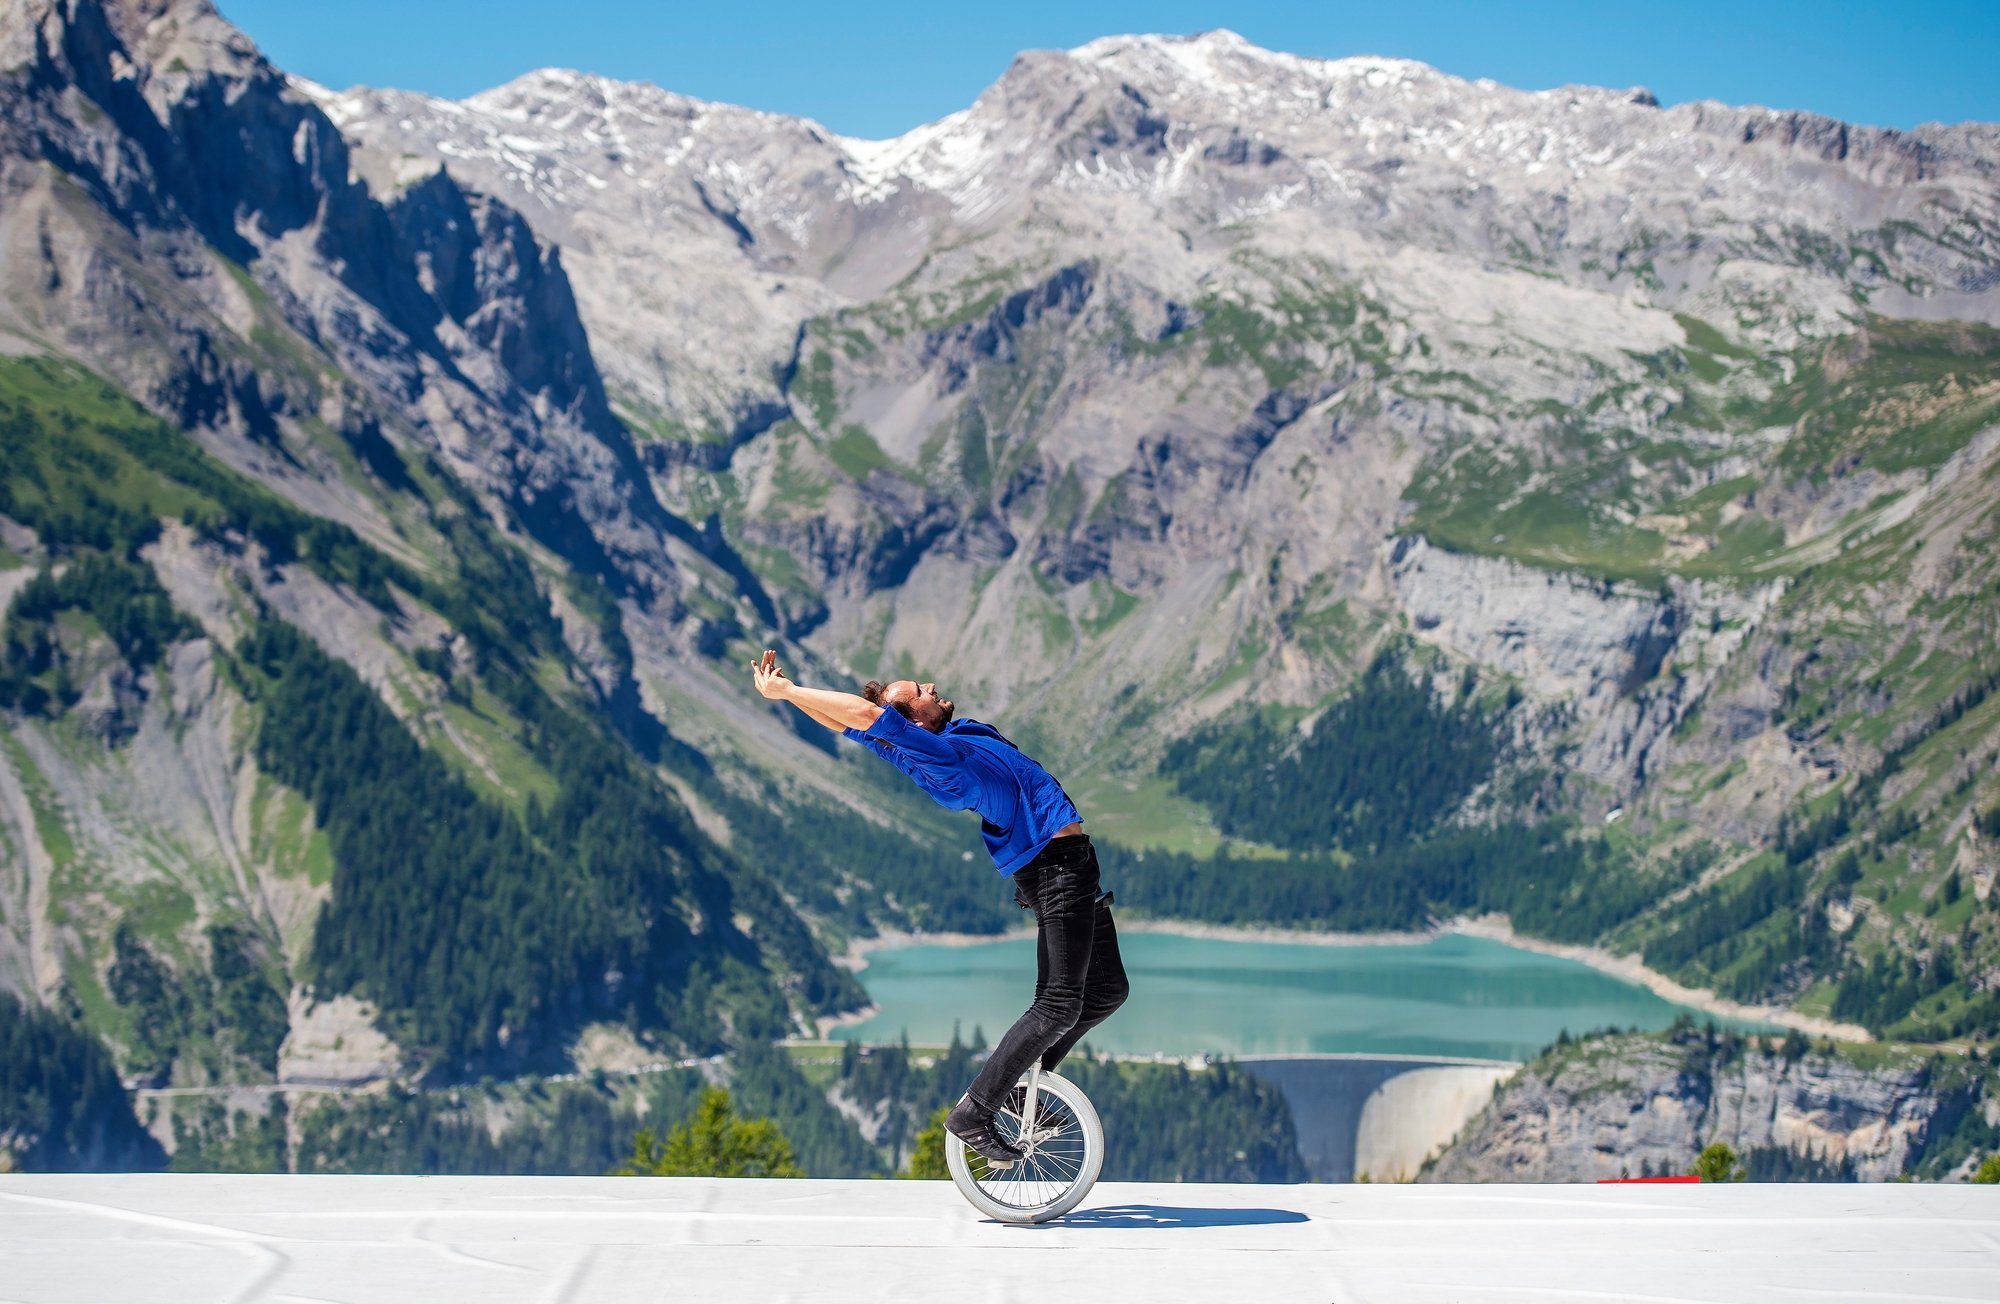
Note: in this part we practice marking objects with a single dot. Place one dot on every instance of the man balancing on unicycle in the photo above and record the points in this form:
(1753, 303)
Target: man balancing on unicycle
(1036, 838)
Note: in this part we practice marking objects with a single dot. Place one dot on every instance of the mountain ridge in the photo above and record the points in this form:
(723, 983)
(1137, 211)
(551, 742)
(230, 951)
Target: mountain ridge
(1153, 423)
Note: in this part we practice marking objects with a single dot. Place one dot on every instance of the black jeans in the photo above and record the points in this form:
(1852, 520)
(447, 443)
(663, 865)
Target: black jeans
(1079, 977)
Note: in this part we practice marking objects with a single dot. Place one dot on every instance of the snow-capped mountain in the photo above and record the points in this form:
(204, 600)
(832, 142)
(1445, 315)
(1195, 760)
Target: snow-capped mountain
(1374, 221)
(1174, 151)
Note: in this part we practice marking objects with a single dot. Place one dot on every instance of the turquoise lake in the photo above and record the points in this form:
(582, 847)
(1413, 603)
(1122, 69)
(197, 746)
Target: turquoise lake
(1453, 995)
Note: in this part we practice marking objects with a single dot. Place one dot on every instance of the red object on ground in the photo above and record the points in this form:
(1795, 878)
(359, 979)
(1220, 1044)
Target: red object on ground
(1634, 1181)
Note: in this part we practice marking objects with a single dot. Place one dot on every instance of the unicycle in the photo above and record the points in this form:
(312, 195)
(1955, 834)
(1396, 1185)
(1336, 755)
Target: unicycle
(1064, 1152)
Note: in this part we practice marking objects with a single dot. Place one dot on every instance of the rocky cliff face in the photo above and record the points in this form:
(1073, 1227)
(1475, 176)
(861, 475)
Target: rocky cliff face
(165, 185)
(408, 365)
(1629, 1106)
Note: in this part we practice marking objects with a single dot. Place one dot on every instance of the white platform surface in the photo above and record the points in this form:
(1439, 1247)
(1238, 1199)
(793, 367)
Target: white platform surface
(443, 1240)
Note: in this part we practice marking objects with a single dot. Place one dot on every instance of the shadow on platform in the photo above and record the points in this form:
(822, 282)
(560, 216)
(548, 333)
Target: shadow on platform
(1167, 1215)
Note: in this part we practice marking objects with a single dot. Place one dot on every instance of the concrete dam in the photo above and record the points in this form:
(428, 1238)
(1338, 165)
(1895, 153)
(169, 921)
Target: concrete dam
(1376, 1117)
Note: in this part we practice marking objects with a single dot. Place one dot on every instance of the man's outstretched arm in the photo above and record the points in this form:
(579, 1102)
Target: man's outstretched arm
(835, 710)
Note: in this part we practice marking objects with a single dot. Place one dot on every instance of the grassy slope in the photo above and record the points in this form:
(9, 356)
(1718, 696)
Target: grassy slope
(82, 451)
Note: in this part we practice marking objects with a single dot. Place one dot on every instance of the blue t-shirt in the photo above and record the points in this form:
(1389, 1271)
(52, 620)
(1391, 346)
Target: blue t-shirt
(971, 766)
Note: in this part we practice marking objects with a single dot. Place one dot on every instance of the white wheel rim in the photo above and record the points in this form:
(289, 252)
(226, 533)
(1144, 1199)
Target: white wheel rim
(1061, 1164)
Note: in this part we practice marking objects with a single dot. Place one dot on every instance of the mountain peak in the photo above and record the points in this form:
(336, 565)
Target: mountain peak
(126, 17)
(1214, 40)
(177, 37)
(566, 84)
(568, 96)
(1221, 58)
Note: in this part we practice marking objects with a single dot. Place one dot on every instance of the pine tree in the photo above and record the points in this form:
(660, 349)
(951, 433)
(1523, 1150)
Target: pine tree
(714, 1143)
(1718, 1164)
(927, 1151)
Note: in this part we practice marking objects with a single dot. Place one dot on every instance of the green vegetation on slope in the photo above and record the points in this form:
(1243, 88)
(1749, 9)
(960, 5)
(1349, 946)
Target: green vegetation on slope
(1764, 931)
(233, 1007)
(1382, 767)
(1896, 395)
(85, 467)
(122, 598)
(1363, 807)
(1602, 499)
(484, 932)
(61, 1108)
(488, 937)
(1551, 882)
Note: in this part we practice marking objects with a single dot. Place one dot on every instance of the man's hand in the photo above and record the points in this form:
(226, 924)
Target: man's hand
(837, 711)
(770, 680)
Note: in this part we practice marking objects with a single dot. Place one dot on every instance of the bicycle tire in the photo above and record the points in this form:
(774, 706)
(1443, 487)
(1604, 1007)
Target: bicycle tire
(1062, 1164)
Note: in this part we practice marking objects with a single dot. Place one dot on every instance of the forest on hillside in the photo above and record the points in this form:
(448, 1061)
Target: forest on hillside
(1368, 812)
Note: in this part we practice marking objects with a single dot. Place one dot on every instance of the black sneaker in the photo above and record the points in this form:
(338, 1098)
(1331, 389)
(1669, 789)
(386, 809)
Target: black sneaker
(975, 1126)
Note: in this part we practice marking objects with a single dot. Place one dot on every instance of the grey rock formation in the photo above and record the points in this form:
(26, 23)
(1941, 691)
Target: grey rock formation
(1591, 646)
(1627, 1106)
(1154, 312)
(165, 184)
(1177, 149)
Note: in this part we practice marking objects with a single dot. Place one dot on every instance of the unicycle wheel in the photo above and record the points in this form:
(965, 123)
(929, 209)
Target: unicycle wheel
(1065, 1152)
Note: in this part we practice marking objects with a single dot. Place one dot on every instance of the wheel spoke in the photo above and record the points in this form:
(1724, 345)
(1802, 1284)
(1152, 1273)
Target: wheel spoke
(1058, 1151)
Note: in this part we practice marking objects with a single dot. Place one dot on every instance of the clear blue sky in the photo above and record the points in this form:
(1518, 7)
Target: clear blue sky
(876, 70)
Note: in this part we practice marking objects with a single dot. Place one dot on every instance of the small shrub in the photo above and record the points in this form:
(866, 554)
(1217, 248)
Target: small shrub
(927, 1152)
(1718, 1164)
(714, 1143)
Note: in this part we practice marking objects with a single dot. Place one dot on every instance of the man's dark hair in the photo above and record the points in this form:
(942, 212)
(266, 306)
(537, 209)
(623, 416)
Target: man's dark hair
(873, 692)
